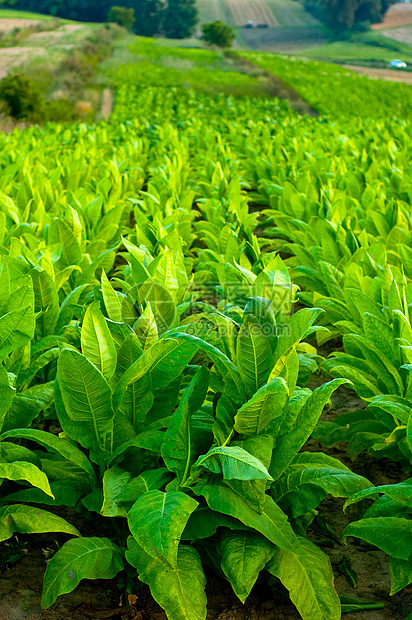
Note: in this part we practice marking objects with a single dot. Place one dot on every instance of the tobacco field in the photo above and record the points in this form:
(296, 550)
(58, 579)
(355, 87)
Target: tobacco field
(183, 290)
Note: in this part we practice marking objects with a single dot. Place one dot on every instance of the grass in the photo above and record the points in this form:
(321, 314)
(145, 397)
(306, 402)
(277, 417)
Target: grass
(352, 52)
(11, 14)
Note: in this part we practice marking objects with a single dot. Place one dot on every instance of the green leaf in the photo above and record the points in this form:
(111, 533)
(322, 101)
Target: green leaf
(97, 342)
(290, 444)
(298, 328)
(391, 534)
(146, 328)
(7, 393)
(353, 604)
(149, 440)
(309, 578)
(55, 444)
(401, 492)
(272, 523)
(46, 301)
(16, 329)
(84, 558)
(401, 574)
(114, 483)
(157, 520)
(233, 463)
(178, 450)
(253, 354)
(180, 592)
(204, 522)
(20, 519)
(61, 233)
(149, 480)
(264, 406)
(23, 470)
(111, 300)
(244, 555)
(27, 405)
(87, 415)
(298, 491)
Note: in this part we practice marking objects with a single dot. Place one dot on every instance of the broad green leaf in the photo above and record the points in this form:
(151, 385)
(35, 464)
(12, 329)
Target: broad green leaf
(61, 233)
(157, 520)
(55, 444)
(7, 393)
(26, 471)
(401, 492)
(233, 384)
(309, 578)
(146, 328)
(401, 574)
(264, 406)
(16, 329)
(21, 519)
(204, 522)
(82, 558)
(114, 483)
(149, 480)
(234, 463)
(97, 342)
(149, 440)
(87, 414)
(290, 444)
(299, 491)
(272, 523)
(244, 555)
(27, 405)
(253, 354)
(111, 300)
(299, 327)
(391, 534)
(46, 301)
(254, 491)
(179, 591)
(178, 450)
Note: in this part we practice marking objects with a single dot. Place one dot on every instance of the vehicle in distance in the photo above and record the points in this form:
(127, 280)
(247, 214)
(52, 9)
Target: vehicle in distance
(399, 64)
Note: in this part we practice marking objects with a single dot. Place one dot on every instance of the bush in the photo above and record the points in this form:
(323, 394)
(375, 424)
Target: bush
(218, 33)
(121, 16)
(23, 100)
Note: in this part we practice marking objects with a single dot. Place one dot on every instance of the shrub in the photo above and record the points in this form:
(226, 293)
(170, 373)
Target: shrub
(22, 98)
(121, 16)
(218, 33)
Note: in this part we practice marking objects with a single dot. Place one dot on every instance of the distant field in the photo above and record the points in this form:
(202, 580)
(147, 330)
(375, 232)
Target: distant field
(398, 15)
(11, 14)
(283, 39)
(347, 51)
(402, 35)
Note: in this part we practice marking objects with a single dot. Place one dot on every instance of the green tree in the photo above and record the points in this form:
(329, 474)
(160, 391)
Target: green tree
(122, 16)
(149, 16)
(180, 19)
(21, 97)
(218, 33)
(343, 15)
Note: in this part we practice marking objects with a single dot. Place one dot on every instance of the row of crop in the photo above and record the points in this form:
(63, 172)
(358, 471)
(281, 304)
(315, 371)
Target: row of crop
(145, 310)
(337, 91)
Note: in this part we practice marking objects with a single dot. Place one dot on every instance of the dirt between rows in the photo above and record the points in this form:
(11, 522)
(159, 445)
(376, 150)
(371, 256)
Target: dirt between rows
(20, 586)
(390, 75)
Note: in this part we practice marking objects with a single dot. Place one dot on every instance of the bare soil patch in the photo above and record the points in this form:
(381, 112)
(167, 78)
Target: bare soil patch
(398, 15)
(390, 75)
(7, 24)
(14, 56)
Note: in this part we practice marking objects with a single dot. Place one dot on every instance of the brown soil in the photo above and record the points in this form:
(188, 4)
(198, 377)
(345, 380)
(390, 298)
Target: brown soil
(13, 56)
(7, 24)
(398, 15)
(391, 75)
(107, 104)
